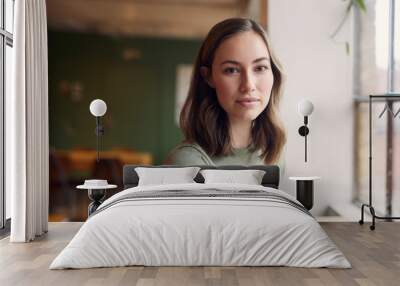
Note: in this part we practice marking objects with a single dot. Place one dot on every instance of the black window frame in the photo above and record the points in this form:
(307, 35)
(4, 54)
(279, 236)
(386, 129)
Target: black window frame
(6, 39)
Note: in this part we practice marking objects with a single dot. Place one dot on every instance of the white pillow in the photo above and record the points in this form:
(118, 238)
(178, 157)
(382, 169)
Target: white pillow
(163, 176)
(248, 177)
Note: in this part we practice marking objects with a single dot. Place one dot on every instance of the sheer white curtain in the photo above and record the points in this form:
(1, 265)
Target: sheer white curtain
(27, 140)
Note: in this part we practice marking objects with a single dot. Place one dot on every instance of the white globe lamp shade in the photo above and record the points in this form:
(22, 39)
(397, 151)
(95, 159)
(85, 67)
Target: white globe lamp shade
(98, 107)
(305, 107)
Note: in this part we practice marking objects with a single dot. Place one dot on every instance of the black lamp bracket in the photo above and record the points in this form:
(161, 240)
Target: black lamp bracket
(99, 132)
(303, 130)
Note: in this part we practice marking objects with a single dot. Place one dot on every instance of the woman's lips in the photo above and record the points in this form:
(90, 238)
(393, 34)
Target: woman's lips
(248, 102)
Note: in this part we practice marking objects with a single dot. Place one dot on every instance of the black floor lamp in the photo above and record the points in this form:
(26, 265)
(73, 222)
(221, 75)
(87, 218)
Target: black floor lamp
(388, 98)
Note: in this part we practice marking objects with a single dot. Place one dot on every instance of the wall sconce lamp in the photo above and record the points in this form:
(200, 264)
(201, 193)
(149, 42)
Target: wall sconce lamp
(305, 108)
(98, 108)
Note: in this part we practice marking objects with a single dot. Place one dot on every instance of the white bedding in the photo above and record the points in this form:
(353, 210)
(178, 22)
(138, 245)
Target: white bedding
(181, 231)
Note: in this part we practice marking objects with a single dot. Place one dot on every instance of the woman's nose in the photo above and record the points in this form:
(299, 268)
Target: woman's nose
(247, 83)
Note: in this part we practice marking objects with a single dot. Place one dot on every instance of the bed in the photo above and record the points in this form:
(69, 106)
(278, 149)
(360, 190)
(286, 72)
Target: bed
(201, 224)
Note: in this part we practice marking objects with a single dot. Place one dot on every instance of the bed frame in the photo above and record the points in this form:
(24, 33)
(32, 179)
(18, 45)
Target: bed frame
(270, 179)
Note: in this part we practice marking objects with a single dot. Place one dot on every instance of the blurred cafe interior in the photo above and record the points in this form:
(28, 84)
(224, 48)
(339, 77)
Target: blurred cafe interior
(136, 55)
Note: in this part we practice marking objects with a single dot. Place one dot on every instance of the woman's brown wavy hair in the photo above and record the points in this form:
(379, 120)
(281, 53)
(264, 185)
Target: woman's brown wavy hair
(202, 119)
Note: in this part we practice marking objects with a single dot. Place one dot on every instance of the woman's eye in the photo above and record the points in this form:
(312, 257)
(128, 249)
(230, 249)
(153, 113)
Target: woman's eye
(261, 68)
(231, 70)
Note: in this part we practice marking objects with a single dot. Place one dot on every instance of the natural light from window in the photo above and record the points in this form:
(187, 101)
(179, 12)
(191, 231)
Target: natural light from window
(382, 33)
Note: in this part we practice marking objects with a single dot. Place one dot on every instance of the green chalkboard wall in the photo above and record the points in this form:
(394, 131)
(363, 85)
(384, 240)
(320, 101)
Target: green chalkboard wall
(136, 78)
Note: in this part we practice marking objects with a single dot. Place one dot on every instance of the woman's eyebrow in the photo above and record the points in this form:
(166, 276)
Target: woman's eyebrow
(261, 59)
(230, 62)
(237, 63)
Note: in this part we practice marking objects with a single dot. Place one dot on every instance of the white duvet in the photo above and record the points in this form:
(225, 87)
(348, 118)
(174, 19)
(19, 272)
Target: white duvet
(182, 231)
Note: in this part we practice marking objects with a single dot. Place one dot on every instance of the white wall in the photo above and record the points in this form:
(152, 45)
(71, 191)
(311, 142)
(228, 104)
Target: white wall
(319, 69)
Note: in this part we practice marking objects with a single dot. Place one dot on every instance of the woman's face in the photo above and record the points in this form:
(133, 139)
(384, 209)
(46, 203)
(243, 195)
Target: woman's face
(242, 76)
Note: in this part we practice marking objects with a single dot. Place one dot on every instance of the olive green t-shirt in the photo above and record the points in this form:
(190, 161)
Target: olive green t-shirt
(186, 154)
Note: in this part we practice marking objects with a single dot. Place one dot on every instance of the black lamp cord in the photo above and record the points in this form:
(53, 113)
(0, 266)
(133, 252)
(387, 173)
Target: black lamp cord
(305, 152)
(305, 138)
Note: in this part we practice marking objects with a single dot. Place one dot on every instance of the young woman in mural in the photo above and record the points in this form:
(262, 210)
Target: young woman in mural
(231, 113)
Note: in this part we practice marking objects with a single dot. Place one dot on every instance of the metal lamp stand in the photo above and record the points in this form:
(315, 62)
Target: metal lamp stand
(386, 98)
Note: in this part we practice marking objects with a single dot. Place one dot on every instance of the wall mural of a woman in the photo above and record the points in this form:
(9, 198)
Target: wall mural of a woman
(231, 113)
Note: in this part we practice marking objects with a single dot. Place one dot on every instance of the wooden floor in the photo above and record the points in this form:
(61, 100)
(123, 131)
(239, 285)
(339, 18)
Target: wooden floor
(374, 255)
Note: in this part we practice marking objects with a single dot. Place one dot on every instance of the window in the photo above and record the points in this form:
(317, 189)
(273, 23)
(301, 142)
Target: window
(6, 56)
(377, 71)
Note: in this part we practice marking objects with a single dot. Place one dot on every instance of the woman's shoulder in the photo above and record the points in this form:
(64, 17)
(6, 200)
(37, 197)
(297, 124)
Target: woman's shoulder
(188, 154)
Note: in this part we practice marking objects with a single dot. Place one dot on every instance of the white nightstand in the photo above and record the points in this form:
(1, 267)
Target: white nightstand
(96, 192)
(305, 190)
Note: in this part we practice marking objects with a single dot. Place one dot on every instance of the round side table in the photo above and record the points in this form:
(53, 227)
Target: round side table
(305, 190)
(96, 195)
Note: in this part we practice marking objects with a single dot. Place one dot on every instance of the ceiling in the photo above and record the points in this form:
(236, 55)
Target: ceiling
(152, 18)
